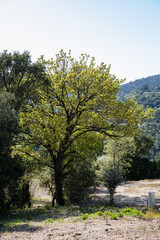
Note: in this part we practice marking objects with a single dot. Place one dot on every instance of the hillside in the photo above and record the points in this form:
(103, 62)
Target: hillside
(151, 83)
(147, 94)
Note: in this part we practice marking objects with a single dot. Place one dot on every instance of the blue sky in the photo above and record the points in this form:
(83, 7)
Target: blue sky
(123, 33)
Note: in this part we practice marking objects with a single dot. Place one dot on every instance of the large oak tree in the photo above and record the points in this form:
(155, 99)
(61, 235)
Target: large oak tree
(79, 98)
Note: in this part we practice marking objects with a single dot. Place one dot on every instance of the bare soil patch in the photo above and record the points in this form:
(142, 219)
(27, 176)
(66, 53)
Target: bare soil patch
(132, 193)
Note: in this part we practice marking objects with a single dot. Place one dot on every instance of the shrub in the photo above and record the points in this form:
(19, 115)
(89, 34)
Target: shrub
(112, 178)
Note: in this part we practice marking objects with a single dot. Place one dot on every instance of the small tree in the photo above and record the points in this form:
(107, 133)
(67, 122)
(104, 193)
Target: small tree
(112, 178)
(131, 155)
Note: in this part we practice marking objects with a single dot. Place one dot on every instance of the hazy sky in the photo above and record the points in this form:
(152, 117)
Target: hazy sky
(123, 33)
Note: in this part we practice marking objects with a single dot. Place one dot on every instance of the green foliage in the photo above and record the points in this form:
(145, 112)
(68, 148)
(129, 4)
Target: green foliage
(79, 171)
(11, 169)
(120, 152)
(147, 97)
(80, 177)
(46, 179)
(78, 99)
(80, 168)
(115, 213)
(17, 84)
(114, 216)
(112, 178)
(153, 83)
(132, 212)
(130, 155)
(143, 142)
(107, 213)
(18, 75)
(77, 213)
(142, 167)
(49, 220)
(85, 216)
(99, 213)
(152, 213)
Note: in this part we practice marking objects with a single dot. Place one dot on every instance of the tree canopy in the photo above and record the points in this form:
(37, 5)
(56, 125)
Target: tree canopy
(18, 76)
(78, 101)
(11, 169)
(18, 79)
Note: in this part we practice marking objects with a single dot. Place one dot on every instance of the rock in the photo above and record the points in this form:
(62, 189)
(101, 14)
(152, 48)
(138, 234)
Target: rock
(77, 234)
(53, 229)
(50, 235)
(108, 224)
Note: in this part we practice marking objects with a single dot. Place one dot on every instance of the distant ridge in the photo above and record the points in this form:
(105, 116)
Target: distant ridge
(151, 82)
(147, 94)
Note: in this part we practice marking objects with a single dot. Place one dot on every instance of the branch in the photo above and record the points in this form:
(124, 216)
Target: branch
(38, 161)
(36, 141)
(69, 161)
(94, 129)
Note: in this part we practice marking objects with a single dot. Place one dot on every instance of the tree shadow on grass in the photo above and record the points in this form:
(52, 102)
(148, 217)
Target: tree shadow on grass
(25, 219)
(26, 227)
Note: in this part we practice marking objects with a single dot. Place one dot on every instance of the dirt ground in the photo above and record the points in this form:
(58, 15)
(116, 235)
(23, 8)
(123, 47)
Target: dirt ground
(128, 194)
(133, 193)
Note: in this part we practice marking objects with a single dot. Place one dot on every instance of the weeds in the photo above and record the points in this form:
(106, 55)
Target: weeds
(132, 212)
(47, 214)
(114, 213)
(49, 220)
(48, 207)
(152, 213)
(85, 216)
(114, 216)
(100, 213)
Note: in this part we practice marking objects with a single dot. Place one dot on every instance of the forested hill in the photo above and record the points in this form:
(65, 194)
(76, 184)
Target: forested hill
(151, 83)
(147, 94)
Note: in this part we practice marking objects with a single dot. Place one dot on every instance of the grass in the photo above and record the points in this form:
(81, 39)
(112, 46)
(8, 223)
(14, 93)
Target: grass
(99, 213)
(85, 216)
(14, 223)
(49, 220)
(142, 227)
(148, 185)
(151, 213)
(49, 215)
(114, 213)
(48, 207)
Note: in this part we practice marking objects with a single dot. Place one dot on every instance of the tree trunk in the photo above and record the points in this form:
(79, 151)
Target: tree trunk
(111, 192)
(53, 200)
(111, 200)
(58, 183)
